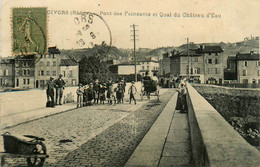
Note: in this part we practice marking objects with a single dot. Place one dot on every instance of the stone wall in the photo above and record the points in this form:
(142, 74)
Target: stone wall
(214, 142)
(230, 102)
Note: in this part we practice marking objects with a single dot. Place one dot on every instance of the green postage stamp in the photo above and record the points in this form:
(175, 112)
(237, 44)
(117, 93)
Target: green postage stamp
(29, 31)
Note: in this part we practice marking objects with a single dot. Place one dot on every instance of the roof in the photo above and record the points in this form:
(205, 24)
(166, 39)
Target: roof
(185, 53)
(213, 49)
(53, 50)
(209, 49)
(247, 56)
(25, 57)
(68, 62)
(145, 60)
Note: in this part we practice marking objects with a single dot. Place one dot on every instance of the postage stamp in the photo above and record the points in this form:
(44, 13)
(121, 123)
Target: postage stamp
(29, 31)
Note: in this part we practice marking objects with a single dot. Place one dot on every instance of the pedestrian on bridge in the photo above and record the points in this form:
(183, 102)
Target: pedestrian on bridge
(59, 84)
(80, 92)
(50, 93)
(132, 91)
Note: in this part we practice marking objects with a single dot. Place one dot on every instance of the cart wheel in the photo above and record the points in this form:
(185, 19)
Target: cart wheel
(37, 162)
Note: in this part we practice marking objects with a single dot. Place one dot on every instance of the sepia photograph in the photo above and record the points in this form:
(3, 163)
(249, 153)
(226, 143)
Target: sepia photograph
(130, 83)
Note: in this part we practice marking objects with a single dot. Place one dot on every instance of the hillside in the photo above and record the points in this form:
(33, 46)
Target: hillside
(123, 55)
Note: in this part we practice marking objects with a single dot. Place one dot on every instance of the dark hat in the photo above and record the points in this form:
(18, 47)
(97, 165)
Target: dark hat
(60, 75)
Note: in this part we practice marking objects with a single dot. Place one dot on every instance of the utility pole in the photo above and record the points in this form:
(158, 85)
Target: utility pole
(134, 39)
(188, 58)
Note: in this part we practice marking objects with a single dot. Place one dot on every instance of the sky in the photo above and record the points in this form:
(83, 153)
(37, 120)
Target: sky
(236, 19)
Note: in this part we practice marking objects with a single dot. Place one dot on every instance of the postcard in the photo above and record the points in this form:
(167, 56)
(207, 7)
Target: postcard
(129, 83)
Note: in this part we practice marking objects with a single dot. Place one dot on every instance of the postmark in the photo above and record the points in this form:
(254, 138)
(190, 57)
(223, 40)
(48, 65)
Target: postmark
(29, 31)
(92, 32)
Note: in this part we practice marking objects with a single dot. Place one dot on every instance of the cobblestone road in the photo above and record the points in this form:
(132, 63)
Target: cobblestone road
(110, 133)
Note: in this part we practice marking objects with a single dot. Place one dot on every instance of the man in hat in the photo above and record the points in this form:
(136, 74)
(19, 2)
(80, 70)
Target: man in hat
(50, 93)
(80, 92)
(96, 87)
(132, 91)
(59, 84)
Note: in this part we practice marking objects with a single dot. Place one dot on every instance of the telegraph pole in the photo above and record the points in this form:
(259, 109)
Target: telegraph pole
(134, 39)
(188, 58)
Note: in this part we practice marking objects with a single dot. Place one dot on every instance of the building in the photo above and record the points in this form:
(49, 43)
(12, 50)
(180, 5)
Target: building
(24, 71)
(47, 66)
(7, 72)
(126, 68)
(70, 71)
(164, 63)
(212, 63)
(248, 68)
(230, 73)
(187, 63)
(149, 65)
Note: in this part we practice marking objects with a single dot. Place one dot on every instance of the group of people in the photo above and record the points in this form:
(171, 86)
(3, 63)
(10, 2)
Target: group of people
(59, 85)
(100, 92)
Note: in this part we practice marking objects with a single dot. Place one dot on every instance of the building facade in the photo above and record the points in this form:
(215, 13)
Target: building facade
(248, 68)
(213, 68)
(47, 66)
(149, 65)
(164, 64)
(69, 69)
(7, 72)
(187, 64)
(24, 71)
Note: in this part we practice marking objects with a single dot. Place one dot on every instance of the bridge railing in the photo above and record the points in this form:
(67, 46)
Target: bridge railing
(214, 142)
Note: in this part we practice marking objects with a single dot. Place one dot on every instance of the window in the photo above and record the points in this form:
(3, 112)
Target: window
(244, 72)
(53, 56)
(48, 63)
(24, 81)
(24, 72)
(17, 82)
(258, 72)
(216, 54)
(216, 61)
(64, 73)
(142, 67)
(28, 72)
(147, 67)
(42, 73)
(54, 73)
(209, 61)
(28, 81)
(217, 71)
(70, 73)
(245, 63)
(39, 73)
(6, 72)
(196, 70)
(47, 73)
(54, 63)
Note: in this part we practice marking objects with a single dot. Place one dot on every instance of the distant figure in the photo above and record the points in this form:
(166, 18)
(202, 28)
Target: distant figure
(59, 84)
(119, 92)
(182, 95)
(50, 93)
(102, 96)
(80, 92)
(132, 91)
(110, 92)
(96, 91)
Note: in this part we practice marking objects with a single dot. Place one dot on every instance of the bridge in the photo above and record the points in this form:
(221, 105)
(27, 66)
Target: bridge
(200, 138)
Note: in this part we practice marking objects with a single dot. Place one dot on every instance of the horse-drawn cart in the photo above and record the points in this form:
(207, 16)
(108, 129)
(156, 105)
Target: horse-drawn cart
(30, 147)
(149, 88)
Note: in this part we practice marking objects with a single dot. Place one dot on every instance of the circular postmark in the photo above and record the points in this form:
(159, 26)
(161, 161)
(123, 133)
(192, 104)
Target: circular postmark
(92, 32)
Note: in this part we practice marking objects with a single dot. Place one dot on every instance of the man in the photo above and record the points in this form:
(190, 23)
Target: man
(80, 92)
(50, 93)
(59, 84)
(96, 91)
(132, 91)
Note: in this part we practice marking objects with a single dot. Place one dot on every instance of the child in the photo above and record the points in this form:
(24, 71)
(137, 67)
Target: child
(102, 92)
(132, 91)
(80, 92)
